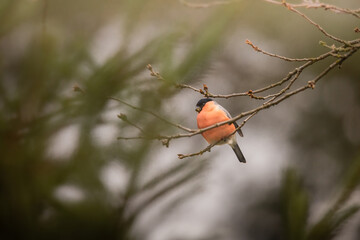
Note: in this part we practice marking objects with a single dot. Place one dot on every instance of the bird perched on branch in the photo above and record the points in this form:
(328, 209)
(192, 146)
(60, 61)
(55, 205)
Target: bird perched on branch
(210, 113)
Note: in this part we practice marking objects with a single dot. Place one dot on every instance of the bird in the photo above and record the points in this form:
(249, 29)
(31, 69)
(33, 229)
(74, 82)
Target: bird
(210, 113)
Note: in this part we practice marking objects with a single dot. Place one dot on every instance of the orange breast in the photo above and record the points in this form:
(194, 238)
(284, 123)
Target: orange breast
(210, 115)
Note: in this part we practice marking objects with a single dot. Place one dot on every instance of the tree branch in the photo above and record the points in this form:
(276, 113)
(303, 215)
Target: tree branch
(310, 84)
(341, 54)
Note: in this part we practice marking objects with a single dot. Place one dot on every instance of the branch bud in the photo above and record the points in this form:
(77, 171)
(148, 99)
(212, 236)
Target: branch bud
(250, 93)
(165, 142)
(205, 87)
(122, 116)
(322, 43)
(252, 45)
(311, 84)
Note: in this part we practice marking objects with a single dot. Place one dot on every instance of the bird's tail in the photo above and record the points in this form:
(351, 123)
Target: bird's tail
(238, 152)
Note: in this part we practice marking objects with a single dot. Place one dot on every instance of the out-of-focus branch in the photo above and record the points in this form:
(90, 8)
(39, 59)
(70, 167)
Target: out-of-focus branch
(154, 114)
(44, 16)
(206, 5)
(123, 117)
(307, 4)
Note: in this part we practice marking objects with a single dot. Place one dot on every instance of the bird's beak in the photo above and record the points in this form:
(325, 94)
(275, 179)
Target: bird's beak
(198, 109)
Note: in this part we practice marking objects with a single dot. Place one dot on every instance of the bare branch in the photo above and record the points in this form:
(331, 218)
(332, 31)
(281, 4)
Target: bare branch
(340, 53)
(324, 6)
(209, 147)
(310, 84)
(318, 26)
(293, 9)
(44, 17)
(154, 114)
(278, 56)
(123, 117)
(309, 61)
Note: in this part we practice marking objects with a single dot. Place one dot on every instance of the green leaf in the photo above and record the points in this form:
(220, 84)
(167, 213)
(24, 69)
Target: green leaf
(329, 226)
(332, 220)
(294, 206)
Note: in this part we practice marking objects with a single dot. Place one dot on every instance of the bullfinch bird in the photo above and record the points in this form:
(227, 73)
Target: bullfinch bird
(210, 113)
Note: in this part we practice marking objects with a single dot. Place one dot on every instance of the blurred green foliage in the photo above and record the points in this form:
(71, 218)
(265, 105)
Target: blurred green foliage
(55, 39)
(295, 207)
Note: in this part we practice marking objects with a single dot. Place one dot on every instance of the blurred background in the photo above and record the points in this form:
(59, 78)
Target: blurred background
(64, 174)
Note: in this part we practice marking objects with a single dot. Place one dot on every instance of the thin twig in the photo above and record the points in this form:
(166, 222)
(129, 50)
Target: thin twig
(293, 9)
(154, 114)
(123, 117)
(309, 61)
(207, 149)
(278, 56)
(324, 6)
(317, 26)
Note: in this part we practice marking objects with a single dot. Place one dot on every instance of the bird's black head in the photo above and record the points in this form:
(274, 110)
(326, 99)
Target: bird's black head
(201, 103)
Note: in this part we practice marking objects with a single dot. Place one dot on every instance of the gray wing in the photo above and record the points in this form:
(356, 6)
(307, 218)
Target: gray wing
(229, 116)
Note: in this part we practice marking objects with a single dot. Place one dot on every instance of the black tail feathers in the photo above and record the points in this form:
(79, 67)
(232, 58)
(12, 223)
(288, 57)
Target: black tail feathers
(238, 153)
